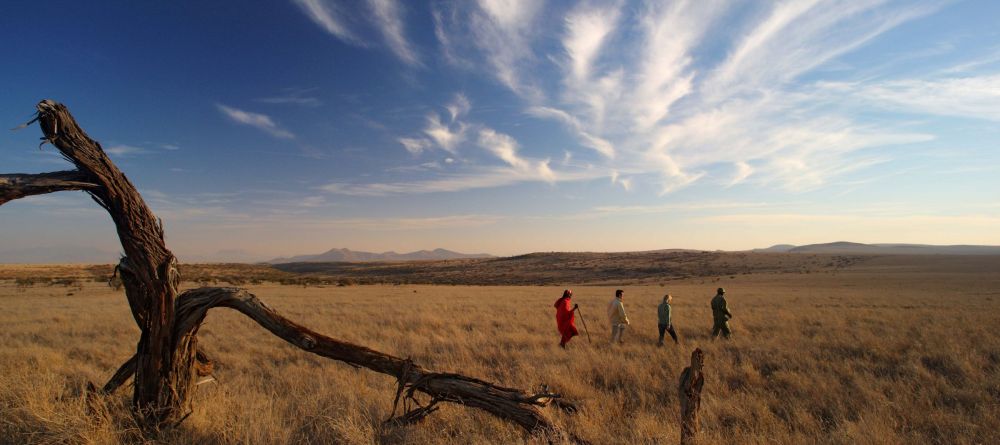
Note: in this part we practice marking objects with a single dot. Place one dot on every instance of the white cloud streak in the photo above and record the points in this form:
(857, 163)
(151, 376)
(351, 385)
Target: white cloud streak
(506, 148)
(459, 107)
(260, 121)
(600, 145)
(445, 136)
(975, 97)
(670, 32)
(124, 150)
(799, 36)
(480, 178)
(415, 145)
(388, 17)
(329, 16)
(587, 29)
(500, 32)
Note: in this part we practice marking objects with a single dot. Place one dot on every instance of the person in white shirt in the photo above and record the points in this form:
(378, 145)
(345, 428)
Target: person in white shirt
(617, 317)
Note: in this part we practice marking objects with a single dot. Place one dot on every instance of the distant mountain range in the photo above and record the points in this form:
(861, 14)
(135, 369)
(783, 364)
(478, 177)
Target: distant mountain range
(844, 247)
(347, 255)
(94, 255)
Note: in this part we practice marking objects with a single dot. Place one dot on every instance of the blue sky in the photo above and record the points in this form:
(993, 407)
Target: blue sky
(259, 129)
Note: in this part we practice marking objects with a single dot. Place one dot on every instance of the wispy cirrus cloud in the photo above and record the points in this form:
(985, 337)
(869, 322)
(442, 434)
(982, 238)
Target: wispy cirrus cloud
(342, 21)
(498, 32)
(329, 16)
(976, 97)
(743, 171)
(662, 73)
(449, 135)
(587, 28)
(439, 184)
(459, 107)
(587, 139)
(663, 99)
(445, 135)
(454, 182)
(124, 150)
(506, 148)
(127, 150)
(415, 145)
(388, 16)
(797, 37)
(259, 121)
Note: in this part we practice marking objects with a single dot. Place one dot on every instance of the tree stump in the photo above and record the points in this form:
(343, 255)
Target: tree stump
(689, 390)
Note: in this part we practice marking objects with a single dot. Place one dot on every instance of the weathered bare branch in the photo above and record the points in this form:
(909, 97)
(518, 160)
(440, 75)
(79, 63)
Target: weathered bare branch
(506, 403)
(19, 185)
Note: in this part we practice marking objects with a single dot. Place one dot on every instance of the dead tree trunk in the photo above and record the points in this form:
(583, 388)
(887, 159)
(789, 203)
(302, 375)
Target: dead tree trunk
(167, 358)
(147, 269)
(689, 391)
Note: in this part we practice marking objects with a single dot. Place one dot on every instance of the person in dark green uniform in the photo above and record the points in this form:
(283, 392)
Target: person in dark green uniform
(721, 315)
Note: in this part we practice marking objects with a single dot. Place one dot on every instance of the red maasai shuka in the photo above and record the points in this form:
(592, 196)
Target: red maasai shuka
(565, 319)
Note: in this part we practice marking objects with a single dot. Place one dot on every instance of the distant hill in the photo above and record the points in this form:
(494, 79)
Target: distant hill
(351, 256)
(849, 248)
(777, 248)
(575, 267)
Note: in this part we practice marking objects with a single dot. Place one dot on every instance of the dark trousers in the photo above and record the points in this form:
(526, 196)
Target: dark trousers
(667, 328)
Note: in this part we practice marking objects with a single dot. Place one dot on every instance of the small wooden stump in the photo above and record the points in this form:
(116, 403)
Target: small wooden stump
(689, 390)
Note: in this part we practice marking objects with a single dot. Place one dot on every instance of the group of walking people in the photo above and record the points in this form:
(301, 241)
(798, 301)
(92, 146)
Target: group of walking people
(566, 312)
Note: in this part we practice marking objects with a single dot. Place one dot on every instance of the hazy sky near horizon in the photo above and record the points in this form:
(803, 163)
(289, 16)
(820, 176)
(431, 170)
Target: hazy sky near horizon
(258, 129)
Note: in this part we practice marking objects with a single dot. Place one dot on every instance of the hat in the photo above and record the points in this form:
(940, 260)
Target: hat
(721, 290)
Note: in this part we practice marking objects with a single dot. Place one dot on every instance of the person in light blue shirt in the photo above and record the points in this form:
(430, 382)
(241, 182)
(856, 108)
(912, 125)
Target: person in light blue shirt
(663, 313)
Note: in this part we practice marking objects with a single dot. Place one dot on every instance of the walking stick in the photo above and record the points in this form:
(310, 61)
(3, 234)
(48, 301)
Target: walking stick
(577, 309)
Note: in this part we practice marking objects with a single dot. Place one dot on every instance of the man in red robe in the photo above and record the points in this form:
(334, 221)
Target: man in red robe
(566, 318)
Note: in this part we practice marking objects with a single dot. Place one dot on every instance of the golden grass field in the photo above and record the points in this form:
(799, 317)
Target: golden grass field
(890, 351)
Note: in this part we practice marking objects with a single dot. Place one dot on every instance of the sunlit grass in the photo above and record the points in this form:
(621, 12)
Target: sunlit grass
(828, 358)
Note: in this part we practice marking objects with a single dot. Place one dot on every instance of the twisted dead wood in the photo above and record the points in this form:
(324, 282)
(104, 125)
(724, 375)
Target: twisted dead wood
(19, 185)
(167, 359)
(508, 403)
(147, 269)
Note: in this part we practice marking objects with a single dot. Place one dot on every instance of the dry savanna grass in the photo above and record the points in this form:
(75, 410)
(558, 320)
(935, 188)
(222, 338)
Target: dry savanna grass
(893, 352)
